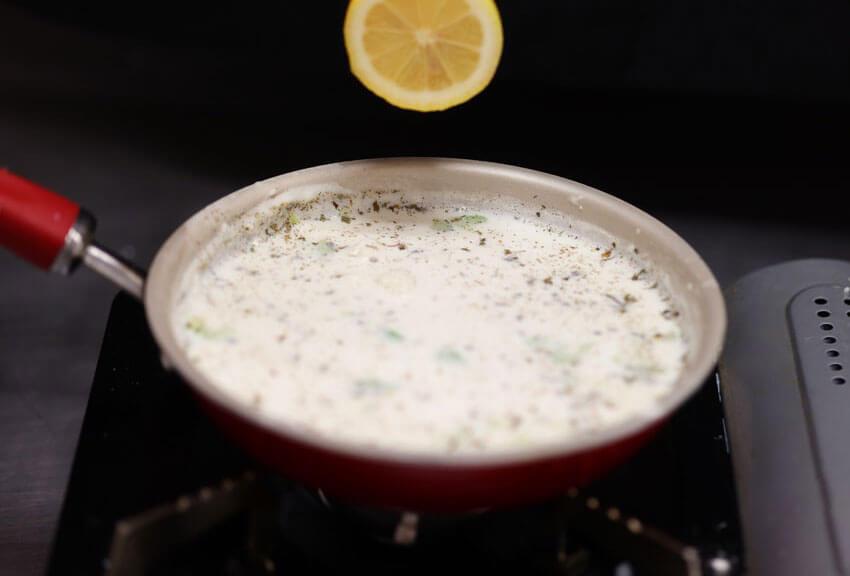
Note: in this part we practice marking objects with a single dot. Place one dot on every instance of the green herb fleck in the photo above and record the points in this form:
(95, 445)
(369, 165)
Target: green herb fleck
(469, 221)
(345, 215)
(372, 386)
(449, 355)
(393, 335)
(326, 247)
(557, 350)
(441, 225)
(646, 371)
(197, 325)
(293, 219)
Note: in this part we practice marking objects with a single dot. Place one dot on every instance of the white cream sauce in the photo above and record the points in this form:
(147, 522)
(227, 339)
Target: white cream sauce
(432, 323)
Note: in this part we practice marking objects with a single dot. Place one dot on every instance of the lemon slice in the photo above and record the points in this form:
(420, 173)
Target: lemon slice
(423, 54)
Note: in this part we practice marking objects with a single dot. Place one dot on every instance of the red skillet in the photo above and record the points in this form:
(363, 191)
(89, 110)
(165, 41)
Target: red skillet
(55, 234)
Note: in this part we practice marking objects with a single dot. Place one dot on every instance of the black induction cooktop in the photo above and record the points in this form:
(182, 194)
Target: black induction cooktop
(156, 489)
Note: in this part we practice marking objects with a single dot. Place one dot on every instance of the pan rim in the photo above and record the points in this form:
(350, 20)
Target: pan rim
(689, 381)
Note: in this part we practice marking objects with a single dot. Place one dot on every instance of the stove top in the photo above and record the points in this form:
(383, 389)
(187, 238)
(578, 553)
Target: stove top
(156, 489)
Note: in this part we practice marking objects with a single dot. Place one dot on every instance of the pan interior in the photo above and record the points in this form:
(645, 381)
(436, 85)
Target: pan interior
(609, 222)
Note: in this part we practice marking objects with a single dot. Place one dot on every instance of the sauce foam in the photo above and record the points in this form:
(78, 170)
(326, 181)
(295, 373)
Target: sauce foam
(429, 323)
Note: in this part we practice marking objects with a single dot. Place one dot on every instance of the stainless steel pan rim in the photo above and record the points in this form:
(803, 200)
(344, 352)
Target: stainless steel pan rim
(697, 288)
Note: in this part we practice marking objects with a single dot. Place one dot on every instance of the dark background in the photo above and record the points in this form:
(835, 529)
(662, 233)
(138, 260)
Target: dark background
(714, 105)
(727, 119)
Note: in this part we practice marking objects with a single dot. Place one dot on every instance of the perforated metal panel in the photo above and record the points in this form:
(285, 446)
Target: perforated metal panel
(785, 380)
(819, 319)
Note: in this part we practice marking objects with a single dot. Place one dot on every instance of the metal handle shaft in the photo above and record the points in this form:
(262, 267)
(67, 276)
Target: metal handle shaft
(115, 269)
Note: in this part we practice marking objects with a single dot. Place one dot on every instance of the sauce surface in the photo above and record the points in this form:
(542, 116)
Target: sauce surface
(429, 323)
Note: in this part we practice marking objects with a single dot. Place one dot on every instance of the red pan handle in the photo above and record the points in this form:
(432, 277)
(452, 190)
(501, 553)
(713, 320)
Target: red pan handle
(56, 234)
(33, 220)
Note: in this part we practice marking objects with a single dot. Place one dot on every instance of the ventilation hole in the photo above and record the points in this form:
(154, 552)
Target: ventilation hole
(832, 353)
(835, 367)
(847, 301)
(829, 339)
(838, 380)
(848, 312)
(822, 301)
(826, 326)
(823, 313)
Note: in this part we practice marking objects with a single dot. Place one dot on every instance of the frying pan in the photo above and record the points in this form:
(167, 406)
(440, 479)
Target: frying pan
(54, 233)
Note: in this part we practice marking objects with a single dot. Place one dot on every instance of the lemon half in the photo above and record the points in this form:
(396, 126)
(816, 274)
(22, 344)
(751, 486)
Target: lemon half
(423, 54)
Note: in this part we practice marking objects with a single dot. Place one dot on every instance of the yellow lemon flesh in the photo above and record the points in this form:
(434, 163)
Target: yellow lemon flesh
(423, 54)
